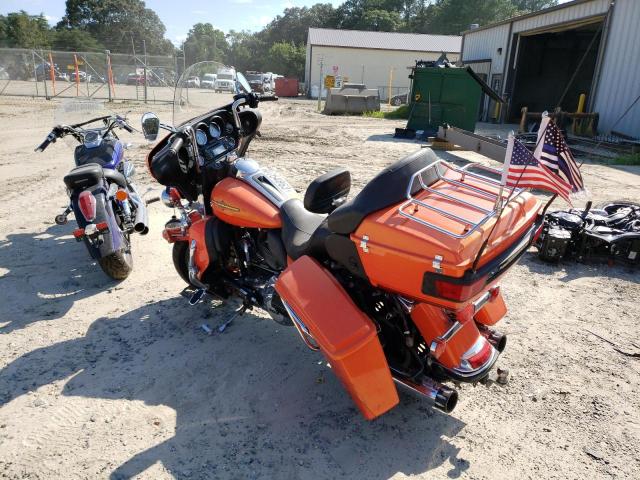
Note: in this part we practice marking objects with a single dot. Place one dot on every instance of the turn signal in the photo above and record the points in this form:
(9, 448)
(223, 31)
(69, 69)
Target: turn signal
(78, 233)
(121, 195)
(102, 226)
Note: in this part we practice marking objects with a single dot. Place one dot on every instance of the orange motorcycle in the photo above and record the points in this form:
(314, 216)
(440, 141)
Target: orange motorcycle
(397, 286)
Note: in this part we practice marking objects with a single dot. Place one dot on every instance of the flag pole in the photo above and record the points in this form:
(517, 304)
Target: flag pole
(486, 242)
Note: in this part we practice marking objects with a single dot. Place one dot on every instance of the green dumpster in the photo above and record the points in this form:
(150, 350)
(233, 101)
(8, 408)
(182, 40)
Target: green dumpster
(445, 95)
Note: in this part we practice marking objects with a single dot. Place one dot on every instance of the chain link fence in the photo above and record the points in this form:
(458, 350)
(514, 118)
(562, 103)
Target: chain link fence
(100, 75)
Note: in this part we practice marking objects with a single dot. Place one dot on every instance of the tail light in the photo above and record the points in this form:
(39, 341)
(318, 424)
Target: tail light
(478, 355)
(87, 205)
(455, 291)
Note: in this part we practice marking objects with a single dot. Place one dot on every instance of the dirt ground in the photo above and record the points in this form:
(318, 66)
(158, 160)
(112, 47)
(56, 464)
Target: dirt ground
(101, 379)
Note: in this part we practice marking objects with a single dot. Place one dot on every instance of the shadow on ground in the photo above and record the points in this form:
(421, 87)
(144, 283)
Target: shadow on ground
(46, 273)
(251, 402)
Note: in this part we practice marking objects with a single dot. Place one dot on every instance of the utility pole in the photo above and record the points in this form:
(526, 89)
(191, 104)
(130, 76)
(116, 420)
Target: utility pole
(144, 68)
(321, 85)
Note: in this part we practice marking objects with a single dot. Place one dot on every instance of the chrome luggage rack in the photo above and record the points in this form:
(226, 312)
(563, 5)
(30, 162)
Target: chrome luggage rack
(471, 225)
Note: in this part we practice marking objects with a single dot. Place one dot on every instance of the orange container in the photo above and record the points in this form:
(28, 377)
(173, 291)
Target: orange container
(399, 251)
(345, 335)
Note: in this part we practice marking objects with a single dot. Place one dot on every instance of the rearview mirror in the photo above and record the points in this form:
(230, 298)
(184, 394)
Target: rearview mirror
(150, 126)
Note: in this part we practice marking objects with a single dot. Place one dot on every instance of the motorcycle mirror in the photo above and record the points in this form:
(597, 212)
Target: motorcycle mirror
(150, 126)
(242, 83)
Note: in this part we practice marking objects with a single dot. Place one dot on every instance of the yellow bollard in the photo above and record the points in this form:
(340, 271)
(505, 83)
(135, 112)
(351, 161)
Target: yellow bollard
(581, 102)
(496, 112)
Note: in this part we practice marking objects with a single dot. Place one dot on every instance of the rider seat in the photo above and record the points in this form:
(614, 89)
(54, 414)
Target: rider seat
(83, 176)
(303, 232)
(90, 174)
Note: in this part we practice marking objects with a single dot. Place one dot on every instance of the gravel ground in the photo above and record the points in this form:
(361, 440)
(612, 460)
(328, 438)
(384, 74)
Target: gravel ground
(101, 379)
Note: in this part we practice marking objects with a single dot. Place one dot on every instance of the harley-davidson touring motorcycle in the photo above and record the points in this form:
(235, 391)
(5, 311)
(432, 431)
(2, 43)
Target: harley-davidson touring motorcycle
(608, 233)
(397, 286)
(102, 196)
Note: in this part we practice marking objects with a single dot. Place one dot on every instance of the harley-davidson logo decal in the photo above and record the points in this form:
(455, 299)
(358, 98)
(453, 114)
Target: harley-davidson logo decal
(224, 205)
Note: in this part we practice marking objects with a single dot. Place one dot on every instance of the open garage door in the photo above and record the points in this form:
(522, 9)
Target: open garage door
(546, 61)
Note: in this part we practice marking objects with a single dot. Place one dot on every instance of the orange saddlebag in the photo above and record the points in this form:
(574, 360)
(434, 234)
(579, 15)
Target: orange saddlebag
(345, 335)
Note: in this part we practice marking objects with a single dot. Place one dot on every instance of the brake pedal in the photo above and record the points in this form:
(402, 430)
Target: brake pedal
(197, 296)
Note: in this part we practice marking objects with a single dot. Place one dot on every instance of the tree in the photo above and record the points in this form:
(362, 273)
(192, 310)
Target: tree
(74, 39)
(205, 43)
(19, 29)
(533, 5)
(287, 59)
(117, 23)
(451, 17)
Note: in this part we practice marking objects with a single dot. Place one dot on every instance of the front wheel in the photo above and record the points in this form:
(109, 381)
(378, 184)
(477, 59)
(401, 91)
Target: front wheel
(117, 265)
(180, 256)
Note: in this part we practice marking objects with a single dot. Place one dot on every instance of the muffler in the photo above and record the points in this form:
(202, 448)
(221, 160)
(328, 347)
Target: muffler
(498, 340)
(141, 220)
(141, 224)
(443, 397)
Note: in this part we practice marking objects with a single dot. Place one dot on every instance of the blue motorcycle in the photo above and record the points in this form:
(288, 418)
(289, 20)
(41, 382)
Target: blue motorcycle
(103, 198)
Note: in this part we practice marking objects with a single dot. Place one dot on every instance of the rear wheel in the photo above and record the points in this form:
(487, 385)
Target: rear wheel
(117, 265)
(180, 256)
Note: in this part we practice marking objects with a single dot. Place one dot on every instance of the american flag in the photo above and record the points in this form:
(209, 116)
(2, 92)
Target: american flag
(553, 152)
(522, 169)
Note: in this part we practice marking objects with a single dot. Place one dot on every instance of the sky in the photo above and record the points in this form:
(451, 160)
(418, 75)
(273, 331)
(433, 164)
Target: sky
(179, 16)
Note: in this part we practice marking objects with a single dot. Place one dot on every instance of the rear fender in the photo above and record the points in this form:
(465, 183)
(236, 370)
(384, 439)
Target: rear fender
(345, 335)
(112, 240)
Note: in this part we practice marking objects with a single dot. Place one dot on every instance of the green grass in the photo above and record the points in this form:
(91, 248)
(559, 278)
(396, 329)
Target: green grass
(373, 114)
(399, 113)
(633, 159)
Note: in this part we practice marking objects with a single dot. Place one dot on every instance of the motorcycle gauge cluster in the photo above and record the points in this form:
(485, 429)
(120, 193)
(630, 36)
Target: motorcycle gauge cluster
(201, 137)
(92, 139)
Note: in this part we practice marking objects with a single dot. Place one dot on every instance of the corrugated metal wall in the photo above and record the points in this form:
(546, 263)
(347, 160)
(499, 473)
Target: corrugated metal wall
(484, 45)
(619, 82)
(574, 12)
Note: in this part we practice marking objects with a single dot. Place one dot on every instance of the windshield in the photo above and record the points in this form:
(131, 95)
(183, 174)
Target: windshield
(209, 76)
(254, 77)
(192, 99)
(72, 111)
(225, 76)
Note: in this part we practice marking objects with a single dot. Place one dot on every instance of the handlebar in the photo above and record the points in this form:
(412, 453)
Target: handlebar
(176, 144)
(268, 98)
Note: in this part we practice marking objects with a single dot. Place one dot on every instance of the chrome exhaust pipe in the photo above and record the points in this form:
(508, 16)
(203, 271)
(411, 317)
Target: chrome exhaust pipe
(498, 340)
(442, 397)
(141, 220)
(141, 224)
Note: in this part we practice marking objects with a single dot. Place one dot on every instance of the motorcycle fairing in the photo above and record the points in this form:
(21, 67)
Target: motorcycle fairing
(345, 335)
(197, 232)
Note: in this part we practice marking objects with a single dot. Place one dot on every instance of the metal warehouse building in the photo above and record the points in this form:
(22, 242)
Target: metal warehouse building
(372, 58)
(532, 59)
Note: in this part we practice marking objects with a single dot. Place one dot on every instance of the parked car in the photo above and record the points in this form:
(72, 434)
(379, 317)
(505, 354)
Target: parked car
(256, 81)
(43, 72)
(82, 76)
(4, 75)
(136, 79)
(226, 81)
(400, 99)
(192, 82)
(208, 81)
